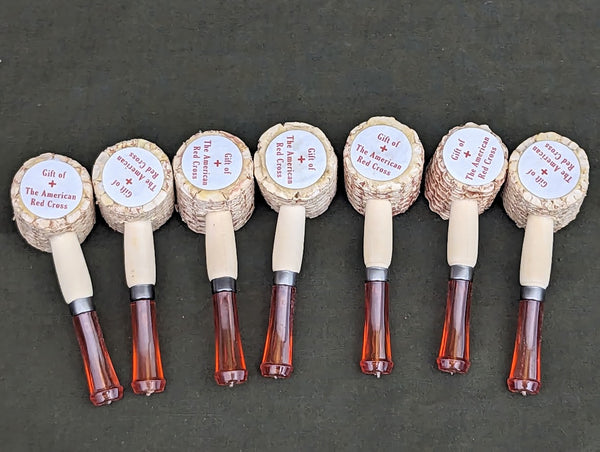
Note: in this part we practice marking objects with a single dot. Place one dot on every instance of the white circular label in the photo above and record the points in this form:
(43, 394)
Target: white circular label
(212, 162)
(51, 189)
(381, 153)
(549, 169)
(133, 176)
(473, 156)
(296, 159)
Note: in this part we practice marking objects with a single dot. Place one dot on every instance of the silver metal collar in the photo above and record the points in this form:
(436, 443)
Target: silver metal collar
(81, 305)
(533, 293)
(141, 292)
(285, 278)
(224, 284)
(377, 274)
(461, 272)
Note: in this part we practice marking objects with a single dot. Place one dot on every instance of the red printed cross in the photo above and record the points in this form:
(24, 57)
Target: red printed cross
(301, 159)
(545, 172)
(383, 148)
(217, 163)
(128, 181)
(467, 154)
(52, 183)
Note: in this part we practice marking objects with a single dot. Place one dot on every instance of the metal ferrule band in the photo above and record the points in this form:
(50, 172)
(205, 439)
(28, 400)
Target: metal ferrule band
(461, 272)
(141, 292)
(533, 293)
(224, 284)
(377, 274)
(81, 305)
(285, 278)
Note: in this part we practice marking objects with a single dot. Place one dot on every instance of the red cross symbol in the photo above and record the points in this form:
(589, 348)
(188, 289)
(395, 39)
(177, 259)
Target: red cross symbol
(128, 181)
(467, 154)
(301, 159)
(217, 163)
(383, 148)
(52, 183)
(544, 171)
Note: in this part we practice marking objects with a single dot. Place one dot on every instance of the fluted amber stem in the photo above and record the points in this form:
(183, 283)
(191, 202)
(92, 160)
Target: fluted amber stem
(453, 356)
(376, 351)
(525, 376)
(148, 376)
(230, 366)
(277, 356)
(102, 380)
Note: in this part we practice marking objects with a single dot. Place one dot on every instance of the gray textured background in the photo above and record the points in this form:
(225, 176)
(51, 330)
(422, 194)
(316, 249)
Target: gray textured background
(77, 76)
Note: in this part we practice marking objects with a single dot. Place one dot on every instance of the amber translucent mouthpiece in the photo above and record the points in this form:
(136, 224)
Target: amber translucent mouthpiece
(454, 349)
(525, 375)
(376, 350)
(148, 376)
(102, 380)
(230, 366)
(277, 356)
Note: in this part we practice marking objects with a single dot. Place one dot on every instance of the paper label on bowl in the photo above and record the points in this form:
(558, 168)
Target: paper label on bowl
(381, 152)
(212, 162)
(549, 169)
(296, 159)
(132, 177)
(51, 189)
(473, 156)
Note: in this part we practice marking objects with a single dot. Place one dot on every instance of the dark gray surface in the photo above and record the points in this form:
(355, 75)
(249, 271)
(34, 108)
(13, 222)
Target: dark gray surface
(78, 76)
